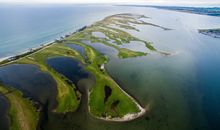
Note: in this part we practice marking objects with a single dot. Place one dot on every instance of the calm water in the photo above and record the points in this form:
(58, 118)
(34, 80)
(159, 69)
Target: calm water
(183, 90)
(180, 88)
(70, 68)
(78, 48)
(26, 26)
(102, 48)
(35, 84)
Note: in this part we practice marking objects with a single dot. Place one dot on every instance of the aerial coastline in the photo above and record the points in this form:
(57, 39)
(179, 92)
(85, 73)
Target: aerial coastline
(68, 97)
(109, 67)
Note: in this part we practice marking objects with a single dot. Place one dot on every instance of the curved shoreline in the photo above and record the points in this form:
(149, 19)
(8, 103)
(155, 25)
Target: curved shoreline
(125, 118)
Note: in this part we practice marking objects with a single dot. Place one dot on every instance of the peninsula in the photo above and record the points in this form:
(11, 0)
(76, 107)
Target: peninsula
(106, 100)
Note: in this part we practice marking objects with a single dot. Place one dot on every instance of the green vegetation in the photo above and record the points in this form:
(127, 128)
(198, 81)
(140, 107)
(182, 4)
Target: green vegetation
(96, 98)
(97, 95)
(68, 99)
(112, 28)
(22, 113)
(118, 103)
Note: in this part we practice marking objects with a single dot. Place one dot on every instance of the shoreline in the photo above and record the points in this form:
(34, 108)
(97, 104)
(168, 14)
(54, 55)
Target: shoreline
(125, 118)
(38, 47)
(8, 59)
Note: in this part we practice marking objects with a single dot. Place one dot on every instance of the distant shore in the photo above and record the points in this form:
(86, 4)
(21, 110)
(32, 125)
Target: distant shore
(215, 33)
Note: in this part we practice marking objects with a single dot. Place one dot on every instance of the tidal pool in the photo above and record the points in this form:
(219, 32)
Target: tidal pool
(29, 79)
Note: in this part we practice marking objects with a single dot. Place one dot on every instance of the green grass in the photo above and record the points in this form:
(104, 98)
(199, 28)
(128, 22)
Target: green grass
(67, 97)
(23, 115)
(97, 95)
(117, 36)
(96, 99)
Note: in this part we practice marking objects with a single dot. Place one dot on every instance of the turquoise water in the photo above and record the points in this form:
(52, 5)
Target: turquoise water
(182, 90)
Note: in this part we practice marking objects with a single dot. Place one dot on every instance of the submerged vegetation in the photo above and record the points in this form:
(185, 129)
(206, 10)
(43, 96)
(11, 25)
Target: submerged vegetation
(106, 100)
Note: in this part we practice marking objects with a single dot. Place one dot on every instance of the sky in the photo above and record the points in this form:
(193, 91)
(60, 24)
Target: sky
(149, 2)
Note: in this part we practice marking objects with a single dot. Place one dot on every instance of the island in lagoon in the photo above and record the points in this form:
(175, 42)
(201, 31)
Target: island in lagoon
(89, 82)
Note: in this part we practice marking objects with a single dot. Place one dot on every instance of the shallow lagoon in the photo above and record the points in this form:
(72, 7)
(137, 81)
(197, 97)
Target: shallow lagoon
(36, 85)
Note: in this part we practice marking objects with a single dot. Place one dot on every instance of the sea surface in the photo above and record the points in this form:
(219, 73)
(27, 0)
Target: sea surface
(23, 27)
(182, 91)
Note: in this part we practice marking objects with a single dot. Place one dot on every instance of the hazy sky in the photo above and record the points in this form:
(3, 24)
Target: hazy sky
(167, 2)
